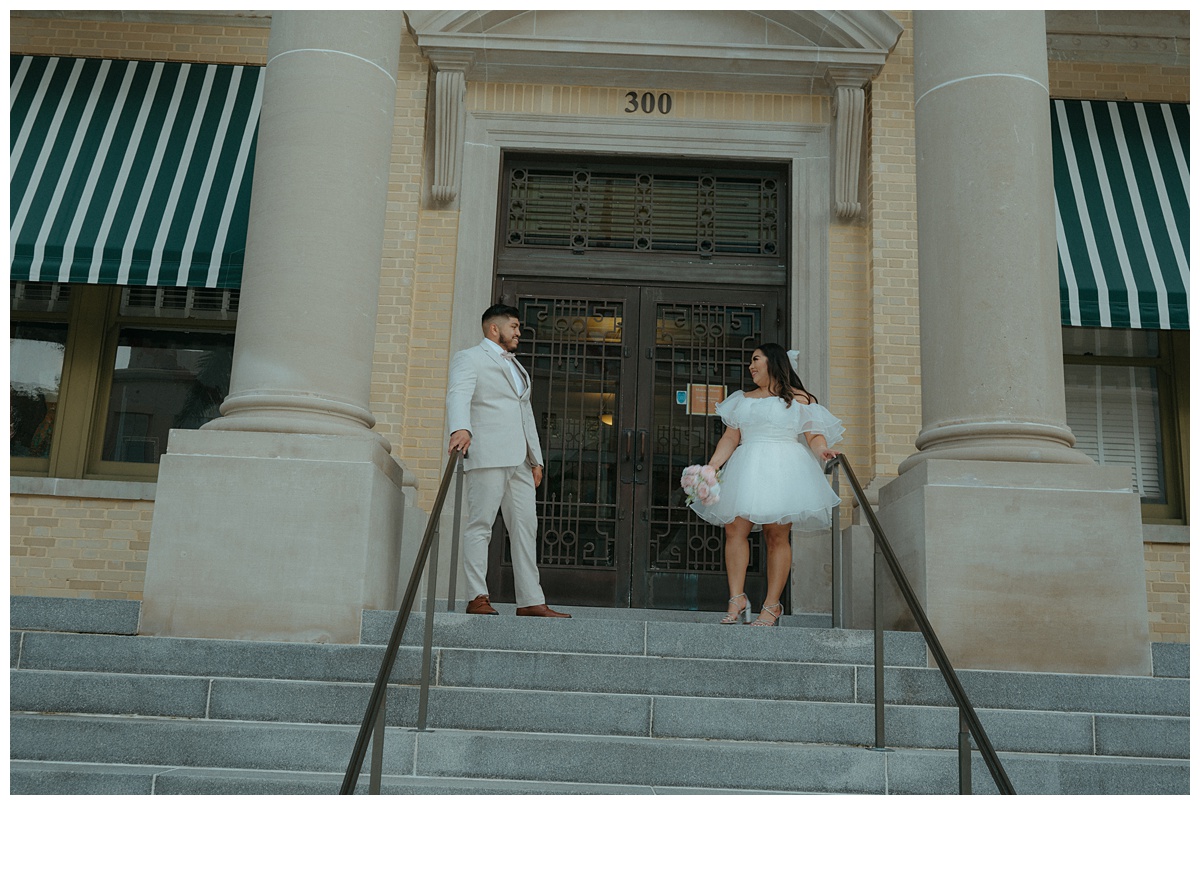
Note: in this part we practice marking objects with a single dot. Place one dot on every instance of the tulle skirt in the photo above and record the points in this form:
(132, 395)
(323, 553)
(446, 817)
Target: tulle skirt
(773, 481)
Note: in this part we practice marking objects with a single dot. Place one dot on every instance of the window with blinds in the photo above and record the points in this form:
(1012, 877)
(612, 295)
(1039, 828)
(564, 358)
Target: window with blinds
(189, 302)
(1114, 414)
(39, 297)
(650, 208)
(1126, 405)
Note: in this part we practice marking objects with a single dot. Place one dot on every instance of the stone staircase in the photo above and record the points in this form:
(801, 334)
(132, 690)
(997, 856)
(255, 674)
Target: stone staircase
(608, 702)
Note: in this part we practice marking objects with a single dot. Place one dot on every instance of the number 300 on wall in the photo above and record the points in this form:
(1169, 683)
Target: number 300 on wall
(648, 102)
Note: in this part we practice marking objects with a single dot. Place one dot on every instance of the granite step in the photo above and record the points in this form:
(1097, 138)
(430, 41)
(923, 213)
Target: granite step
(81, 778)
(667, 667)
(631, 703)
(598, 713)
(625, 764)
(74, 615)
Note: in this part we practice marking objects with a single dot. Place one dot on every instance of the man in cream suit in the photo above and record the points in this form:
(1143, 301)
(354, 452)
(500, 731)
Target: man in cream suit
(488, 410)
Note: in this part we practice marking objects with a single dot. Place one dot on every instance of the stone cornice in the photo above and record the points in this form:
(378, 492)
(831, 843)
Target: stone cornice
(721, 68)
(1115, 49)
(793, 52)
(1120, 36)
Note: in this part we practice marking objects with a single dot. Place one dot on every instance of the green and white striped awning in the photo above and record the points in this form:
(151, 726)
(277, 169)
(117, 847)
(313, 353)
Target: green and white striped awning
(1121, 190)
(130, 172)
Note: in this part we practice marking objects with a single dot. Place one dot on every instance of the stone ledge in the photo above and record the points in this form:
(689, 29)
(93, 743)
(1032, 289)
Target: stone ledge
(53, 487)
(1166, 534)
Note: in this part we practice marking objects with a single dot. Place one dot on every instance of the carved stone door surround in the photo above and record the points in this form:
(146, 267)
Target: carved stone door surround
(805, 52)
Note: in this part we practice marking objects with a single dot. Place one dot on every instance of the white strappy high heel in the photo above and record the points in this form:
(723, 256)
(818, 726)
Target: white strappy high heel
(767, 612)
(743, 615)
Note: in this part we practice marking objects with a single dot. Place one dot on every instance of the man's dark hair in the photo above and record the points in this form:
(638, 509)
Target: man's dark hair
(498, 310)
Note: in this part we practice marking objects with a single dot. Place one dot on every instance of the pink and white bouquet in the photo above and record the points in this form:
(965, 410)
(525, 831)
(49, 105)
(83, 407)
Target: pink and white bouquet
(701, 484)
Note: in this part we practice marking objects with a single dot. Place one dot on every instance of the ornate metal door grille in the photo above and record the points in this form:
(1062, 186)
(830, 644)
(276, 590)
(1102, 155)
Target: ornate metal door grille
(588, 205)
(694, 344)
(619, 374)
(575, 353)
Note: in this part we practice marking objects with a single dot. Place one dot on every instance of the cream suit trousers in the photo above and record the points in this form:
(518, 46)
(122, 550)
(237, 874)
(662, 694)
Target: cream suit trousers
(509, 490)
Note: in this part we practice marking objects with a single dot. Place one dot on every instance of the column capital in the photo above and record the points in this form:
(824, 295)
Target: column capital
(856, 76)
(452, 59)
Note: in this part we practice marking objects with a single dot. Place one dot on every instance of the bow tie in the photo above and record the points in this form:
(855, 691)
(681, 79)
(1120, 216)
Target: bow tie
(508, 356)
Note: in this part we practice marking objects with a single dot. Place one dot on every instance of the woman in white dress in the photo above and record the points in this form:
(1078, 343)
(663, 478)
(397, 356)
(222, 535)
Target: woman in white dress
(771, 478)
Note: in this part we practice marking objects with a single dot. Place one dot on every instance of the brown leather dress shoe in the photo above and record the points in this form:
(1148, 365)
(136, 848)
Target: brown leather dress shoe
(480, 606)
(541, 611)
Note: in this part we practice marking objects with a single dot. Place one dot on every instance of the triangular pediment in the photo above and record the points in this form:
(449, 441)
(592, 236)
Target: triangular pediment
(738, 50)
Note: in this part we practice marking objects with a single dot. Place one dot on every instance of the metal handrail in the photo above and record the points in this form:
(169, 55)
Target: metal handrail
(375, 716)
(969, 724)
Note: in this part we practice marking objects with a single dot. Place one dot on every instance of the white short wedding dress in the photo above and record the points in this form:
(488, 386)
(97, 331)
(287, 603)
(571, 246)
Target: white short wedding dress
(773, 476)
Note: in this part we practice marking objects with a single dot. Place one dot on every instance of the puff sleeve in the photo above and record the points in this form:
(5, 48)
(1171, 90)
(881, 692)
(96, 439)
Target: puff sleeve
(815, 418)
(727, 409)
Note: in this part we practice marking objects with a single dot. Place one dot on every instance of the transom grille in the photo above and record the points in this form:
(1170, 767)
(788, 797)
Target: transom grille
(674, 209)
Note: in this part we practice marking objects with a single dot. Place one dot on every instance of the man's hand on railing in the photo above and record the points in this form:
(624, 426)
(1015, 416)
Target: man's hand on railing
(460, 440)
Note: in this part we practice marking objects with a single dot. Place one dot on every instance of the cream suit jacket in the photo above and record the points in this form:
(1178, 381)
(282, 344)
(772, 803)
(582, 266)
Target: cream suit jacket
(482, 398)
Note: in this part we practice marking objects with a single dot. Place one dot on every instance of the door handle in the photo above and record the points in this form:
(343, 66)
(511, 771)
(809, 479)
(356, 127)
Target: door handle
(625, 457)
(640, 474)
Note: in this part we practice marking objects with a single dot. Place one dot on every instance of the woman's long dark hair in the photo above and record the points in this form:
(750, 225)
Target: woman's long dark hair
(783, 376)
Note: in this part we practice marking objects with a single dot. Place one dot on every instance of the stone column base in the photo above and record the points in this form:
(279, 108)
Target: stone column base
(1024, 566)
(272, 536)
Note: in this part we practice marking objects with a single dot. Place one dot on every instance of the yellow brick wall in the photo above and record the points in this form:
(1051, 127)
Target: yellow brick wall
(81, 547)
(1112, 82)
(849, 357)
(1168, 591)
(429, 350)
(395, 379)
(893, 345)
(140, 41)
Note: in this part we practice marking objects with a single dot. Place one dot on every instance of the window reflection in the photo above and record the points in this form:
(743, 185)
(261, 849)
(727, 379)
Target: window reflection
(161, 380)
(1114, 413)
(35, 364)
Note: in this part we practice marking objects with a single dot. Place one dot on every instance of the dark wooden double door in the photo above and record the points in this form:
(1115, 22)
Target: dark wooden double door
(624, 377)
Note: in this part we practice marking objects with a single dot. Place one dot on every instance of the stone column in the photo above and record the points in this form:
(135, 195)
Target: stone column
(310, 289)
(1028, 555)
(281, 519)
(991, 342)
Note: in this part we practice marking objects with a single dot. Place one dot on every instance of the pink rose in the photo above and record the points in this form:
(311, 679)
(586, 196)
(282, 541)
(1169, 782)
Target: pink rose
(700, 483)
